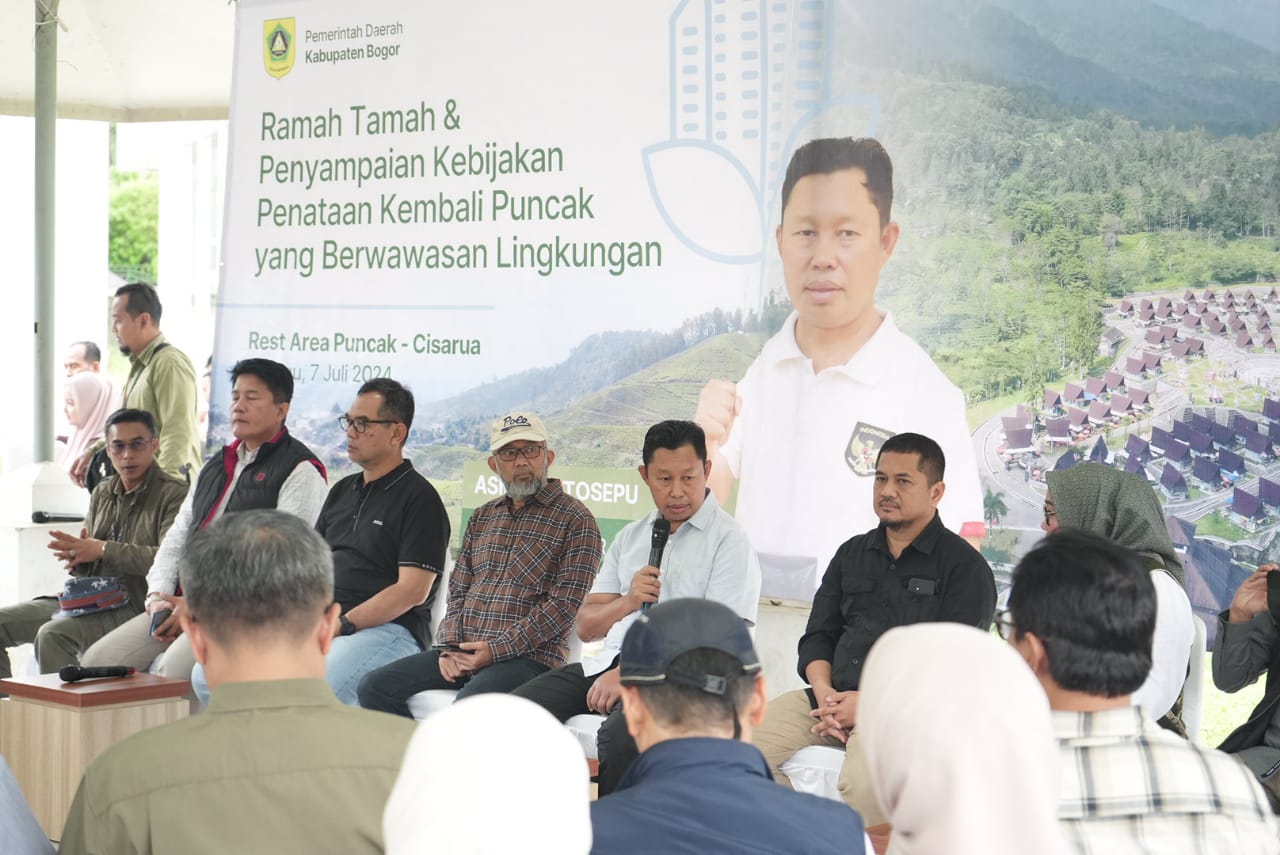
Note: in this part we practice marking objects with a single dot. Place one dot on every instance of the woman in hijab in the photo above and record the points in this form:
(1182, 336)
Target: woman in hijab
(1123, 508)
(959, 742)
(88, 399)
(490, 775)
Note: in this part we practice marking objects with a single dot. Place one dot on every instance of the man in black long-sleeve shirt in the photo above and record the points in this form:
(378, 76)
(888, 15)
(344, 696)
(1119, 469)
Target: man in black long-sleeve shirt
(909, 569)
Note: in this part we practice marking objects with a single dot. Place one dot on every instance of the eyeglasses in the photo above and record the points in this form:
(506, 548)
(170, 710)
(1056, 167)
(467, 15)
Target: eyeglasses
(360, 423)
(1004, 624)
(1049, 513)
(118, 446)
(528, 452)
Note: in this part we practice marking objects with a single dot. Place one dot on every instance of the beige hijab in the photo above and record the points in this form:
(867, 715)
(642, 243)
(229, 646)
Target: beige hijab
(95, 399)
(958, 738)
(490, 775)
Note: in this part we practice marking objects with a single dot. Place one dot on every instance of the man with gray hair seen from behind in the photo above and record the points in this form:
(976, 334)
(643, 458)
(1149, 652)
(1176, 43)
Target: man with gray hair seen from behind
(276, 764)
(526, 563)
(1082, 613)
(692, 689)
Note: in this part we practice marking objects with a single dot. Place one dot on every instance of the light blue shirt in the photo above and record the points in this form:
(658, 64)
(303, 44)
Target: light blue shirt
(19, 830)
(707, 557)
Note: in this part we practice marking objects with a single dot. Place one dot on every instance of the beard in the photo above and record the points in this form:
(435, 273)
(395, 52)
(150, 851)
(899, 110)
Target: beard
(124, 348)
(521, 490)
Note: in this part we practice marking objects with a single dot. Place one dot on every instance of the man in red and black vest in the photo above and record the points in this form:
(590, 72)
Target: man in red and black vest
(264, 467)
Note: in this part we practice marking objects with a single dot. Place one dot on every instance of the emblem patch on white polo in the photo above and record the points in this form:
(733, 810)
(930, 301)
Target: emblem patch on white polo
(863, 448)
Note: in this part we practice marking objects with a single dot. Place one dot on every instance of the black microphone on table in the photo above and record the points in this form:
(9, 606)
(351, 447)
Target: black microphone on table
(657, 543)
(46, 517)
(75, 673)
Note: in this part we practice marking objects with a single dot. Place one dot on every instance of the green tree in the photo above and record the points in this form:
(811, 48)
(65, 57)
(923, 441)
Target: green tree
(134, 224)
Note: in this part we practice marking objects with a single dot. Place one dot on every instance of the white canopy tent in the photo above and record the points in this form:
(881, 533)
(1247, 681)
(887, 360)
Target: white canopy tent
(123, 60)
(106, 60)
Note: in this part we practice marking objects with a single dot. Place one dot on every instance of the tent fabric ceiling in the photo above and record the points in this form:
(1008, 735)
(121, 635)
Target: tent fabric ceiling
(125, 60)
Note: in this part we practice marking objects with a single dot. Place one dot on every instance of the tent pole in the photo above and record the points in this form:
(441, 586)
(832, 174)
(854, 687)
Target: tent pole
(46, 98)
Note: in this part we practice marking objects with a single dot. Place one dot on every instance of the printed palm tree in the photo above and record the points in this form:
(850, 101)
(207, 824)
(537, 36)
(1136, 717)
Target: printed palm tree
(993, 507)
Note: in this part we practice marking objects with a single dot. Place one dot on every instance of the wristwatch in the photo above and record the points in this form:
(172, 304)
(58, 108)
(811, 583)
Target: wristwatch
(347, 627)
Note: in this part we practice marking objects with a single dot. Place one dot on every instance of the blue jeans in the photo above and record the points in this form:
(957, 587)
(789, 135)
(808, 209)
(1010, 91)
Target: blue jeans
(350, 658)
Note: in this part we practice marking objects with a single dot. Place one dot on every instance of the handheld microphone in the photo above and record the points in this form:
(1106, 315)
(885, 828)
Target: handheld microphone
(46, 517)
(74, 673)
(657, 543)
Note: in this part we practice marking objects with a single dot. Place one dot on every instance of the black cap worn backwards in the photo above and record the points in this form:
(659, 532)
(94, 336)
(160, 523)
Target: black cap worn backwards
(679, 626)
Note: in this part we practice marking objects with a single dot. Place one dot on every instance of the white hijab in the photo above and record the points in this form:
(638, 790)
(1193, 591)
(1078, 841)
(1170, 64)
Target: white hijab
(957, 734)
(491, 774)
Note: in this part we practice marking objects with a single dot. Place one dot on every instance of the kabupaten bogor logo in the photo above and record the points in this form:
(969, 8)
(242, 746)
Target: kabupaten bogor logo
(277, 46)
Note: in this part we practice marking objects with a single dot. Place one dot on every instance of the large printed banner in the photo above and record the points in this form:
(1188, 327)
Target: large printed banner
(569, 207)
(410, 197)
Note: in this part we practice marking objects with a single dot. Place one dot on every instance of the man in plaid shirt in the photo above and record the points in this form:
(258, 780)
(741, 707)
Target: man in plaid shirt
(1082, 613)
(526, 564)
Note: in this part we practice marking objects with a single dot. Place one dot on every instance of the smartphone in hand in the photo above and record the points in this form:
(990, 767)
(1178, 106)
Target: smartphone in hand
(159, 618)
(449, 648)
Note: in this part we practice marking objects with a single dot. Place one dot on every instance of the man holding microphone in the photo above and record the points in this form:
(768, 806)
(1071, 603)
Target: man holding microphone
(706, 555)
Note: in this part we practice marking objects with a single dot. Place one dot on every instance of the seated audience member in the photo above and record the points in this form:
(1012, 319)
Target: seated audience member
(1123, 508)
(129, 513)
(707, 556)
(1082, 612)
(277, 764)
(87, 401)
(1247, 646)
(527, 561)
(481, 740)
(389, 531)
(692, 691)
(910, 569)
(981, 777)
(264, 467)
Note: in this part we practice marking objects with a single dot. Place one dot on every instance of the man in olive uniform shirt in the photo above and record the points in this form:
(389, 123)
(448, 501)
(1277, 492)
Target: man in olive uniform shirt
(129, 514)
(276, 764)
(161, 381)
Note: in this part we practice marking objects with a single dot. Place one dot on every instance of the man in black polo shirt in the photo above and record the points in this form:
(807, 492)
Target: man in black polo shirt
(389, 532)
(909, 569)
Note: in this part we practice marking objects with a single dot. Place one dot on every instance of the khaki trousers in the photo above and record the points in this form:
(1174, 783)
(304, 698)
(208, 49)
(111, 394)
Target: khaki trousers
(132, 644)
(57, 642)
(785, 731)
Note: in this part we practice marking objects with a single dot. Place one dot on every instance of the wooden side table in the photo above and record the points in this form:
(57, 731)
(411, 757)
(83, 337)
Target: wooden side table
(50, 731)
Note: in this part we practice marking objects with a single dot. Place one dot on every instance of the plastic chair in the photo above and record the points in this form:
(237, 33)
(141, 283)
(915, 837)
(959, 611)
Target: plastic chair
(815, 770)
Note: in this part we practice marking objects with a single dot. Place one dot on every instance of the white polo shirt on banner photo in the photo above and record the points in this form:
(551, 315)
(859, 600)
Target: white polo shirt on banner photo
(804, 448)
